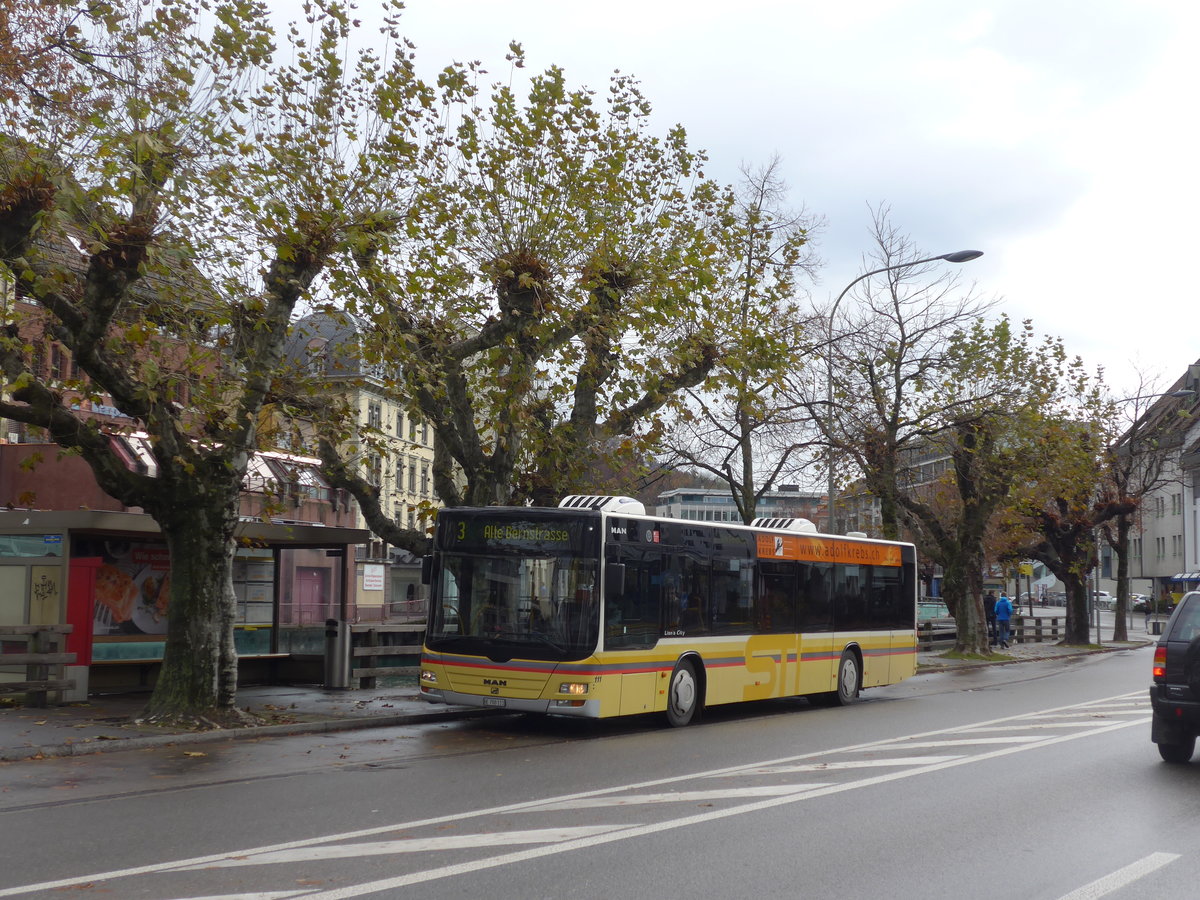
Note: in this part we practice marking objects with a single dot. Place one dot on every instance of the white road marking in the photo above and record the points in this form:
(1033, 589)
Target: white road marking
(889, 743)
(1107, 713)
(965, 742)
(843, 764)
(1122, 877)
(771, 790)
(1096, 723)
(255, 895)
(412, 845)
(391, 884)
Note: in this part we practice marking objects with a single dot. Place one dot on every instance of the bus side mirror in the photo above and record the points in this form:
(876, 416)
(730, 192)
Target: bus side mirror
(426, 569)
(614, 581)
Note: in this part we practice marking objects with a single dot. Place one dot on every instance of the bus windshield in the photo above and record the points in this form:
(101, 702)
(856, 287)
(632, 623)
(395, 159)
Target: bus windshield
(538, 608)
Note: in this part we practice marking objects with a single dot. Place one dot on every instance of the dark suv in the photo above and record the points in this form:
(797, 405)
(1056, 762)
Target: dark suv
(1175, 694)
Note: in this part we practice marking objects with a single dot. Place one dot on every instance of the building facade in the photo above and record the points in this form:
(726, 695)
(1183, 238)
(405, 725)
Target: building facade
(399, 462)
(1164, 551)
(716, 505)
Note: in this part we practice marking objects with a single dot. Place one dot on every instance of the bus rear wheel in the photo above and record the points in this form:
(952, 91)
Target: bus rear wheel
(683, 695)
(848, 680)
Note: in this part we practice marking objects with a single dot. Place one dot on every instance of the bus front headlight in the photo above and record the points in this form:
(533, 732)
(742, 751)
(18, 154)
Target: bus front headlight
(572, 687)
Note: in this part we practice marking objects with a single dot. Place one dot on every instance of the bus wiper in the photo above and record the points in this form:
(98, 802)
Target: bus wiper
(528, 637)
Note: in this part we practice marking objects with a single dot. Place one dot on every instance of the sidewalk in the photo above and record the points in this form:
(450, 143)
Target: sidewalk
(105, 722)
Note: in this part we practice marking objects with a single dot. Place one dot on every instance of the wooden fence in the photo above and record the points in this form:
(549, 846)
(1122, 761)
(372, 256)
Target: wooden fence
(39, 649)
(373, 642)
(1037, 629)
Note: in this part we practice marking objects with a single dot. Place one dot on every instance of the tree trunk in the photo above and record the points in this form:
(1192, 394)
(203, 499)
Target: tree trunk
(197, 685)
(1121, 551)
(962, 580)
(1078, 628)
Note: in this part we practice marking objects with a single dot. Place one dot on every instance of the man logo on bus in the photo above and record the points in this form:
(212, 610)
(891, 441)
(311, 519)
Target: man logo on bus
(778, 545)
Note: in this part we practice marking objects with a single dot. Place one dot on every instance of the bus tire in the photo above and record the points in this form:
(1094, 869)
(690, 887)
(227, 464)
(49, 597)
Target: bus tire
(683, 695)
(849, 678)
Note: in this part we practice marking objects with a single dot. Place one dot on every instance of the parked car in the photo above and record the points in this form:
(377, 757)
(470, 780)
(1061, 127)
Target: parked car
(1104, 599)
(1175, 693)
(1139, 602)
(932, 610)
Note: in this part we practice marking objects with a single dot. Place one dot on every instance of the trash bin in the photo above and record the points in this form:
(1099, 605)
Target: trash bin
(1156, 627)
(337, 654)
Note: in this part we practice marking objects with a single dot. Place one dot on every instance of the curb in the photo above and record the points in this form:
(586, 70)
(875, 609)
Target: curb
(980, 663)
(89, 746)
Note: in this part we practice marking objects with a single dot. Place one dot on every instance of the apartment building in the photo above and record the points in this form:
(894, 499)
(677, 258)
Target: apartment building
(400, 464)
(1164, 551)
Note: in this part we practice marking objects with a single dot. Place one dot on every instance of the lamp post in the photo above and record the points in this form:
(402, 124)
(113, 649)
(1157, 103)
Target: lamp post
(958, 256)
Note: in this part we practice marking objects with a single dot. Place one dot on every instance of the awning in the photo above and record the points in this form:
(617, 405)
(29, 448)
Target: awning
(1186, 576)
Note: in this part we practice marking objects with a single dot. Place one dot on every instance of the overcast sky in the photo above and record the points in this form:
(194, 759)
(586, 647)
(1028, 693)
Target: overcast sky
(1055, 135)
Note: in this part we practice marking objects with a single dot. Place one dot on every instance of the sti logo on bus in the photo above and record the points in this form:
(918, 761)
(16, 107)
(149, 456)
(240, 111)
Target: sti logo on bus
(778, 546)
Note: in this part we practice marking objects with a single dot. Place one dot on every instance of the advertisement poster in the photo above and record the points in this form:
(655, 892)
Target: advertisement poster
(133, 586)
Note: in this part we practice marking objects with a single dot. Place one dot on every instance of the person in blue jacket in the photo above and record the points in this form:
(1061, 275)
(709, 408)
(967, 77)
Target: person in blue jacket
(1004, 612)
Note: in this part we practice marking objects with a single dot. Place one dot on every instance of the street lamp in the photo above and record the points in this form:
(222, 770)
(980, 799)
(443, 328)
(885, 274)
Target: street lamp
(958, 256)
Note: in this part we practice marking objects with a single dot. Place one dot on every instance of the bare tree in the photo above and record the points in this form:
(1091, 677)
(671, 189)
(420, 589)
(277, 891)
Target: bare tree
(887, 360)
(745, 429)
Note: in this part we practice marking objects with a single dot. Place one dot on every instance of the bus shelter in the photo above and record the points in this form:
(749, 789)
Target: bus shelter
(107, 574)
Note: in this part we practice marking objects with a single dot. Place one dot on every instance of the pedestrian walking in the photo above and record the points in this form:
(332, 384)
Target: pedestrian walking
(1004, 612)
(989, 613)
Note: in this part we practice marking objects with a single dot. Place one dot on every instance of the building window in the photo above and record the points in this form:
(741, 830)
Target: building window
(60, 362)
(424, 480)
(374, 414)
(412, 475)
(412, 429)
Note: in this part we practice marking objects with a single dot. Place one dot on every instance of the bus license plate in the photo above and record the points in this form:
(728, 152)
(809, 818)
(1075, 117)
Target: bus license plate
(493, 701)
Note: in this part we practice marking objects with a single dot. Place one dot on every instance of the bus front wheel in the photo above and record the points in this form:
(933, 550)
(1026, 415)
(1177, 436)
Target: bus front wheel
(683, 695)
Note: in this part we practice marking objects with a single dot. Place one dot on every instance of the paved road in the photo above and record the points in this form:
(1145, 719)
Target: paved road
(1035, 780)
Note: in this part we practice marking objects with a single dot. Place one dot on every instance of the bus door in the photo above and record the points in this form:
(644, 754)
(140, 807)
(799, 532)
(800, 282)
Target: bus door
(772, 654)
(633, 624)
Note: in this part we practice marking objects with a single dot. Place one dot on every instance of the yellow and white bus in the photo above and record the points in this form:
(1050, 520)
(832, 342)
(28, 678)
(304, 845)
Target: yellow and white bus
(596, 609)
